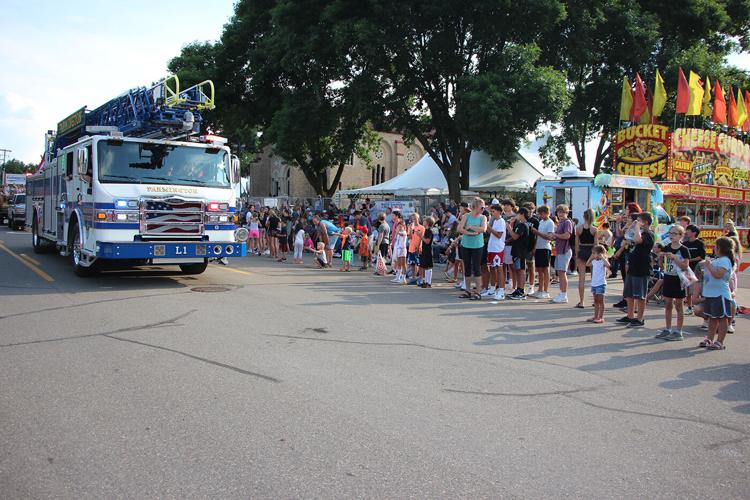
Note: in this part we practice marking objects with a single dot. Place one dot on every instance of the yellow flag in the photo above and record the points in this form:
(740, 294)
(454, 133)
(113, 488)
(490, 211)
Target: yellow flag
(626, 100)
(660, 95)
(706, 110)
(741, 109)
(696, 95)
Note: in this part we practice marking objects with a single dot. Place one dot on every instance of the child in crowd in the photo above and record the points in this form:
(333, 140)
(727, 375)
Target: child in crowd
(320, 255)
(299, 244)
(717, 274)
(425, 258)
(347, 253)
(496, 251)
(364, 248)
(599, 264)
(399, 250)
(677, 258)
(309, 246)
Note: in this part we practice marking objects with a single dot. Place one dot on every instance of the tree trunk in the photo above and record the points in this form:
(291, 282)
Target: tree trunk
(600, 149)
(331, 190)
(454, 183)
(464, 168)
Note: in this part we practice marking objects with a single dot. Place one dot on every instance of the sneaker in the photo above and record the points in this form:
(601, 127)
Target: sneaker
(458, 285)
(534, 295)
(624, 319)
(706, 342)
(704, 326)
(544, 295)
(716, 346)
(395, 280)
(663, 334)
(487, 292)
(500, 294)
(560, 299)
(572, 273)
(636, 323)
(676, 335)
(622, 303)
(730, 327)
(689, 311)
(517, 295)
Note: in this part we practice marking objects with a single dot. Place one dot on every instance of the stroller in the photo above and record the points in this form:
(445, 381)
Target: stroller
(655, 280)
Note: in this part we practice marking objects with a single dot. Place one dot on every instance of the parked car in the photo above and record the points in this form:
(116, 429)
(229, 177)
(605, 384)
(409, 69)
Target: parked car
(17, 211)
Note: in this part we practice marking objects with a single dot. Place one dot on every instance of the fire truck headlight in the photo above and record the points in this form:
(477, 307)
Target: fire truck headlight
(223, 218)
(122, 217)
(241, 234)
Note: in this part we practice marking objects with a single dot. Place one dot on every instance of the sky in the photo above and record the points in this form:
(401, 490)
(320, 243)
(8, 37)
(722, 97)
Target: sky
(58, 56)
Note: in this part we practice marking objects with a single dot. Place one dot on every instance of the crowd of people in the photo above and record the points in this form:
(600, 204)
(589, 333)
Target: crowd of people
(502, 251)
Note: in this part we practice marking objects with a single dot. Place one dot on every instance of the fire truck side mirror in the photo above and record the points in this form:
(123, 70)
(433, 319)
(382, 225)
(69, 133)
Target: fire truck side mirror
(235, 172)
(83, 161)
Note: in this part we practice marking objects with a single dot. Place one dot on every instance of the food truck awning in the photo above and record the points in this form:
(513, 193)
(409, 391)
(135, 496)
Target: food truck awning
(631, 182)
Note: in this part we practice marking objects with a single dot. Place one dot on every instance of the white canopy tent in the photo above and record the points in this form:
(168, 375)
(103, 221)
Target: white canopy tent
(424, 178)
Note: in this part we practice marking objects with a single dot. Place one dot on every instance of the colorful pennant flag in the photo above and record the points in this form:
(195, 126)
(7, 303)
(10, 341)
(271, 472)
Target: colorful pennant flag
(741, 110)
(660, 95)
(696, 94)
(746, 127)
(705, 108)
(683, 93)
(720, 105)
(626, 100)
(646, 116)
(639, 100)
(732, 114)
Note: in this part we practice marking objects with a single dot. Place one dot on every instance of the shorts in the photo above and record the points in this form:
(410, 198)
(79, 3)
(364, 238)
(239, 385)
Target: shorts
(562, 260)
(672, 287)
(507, 257)
(332, 240)
(530, 259)
(495, 259)
(519, 264)
(346, 255)
(254, 233)
(717, 307)
(599, 290)
(399, 252)
(384, 249)
(472, 262)
(542, 256)
(321, 262)
(584, 252)
(636, 287)
(412, 258)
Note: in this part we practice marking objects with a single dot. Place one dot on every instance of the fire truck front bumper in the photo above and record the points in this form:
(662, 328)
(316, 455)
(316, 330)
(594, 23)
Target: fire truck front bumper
(169, 250)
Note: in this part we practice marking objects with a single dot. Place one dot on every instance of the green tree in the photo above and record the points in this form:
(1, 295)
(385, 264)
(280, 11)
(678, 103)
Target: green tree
(601, 41)
(457, 76)
(14, 166)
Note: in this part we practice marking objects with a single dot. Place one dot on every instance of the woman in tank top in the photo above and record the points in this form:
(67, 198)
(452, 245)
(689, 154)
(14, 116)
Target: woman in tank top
(585, 237)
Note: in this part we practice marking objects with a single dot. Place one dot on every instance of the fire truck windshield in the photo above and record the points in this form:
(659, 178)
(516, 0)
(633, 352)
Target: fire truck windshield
(146, 163)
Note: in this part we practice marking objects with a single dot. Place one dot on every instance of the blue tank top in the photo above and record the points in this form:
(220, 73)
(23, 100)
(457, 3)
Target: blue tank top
(472, 240)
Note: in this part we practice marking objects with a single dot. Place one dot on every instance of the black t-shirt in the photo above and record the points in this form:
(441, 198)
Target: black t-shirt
(639, 261)
(427, 243)
(697, 249)
(273, 223)
(682, 251)
(521, 244)
(532, 223)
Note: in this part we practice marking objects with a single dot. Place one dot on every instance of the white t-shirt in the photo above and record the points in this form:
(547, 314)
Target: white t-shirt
(495, 244)
(299, 238)
(598, 273)
(545, 226)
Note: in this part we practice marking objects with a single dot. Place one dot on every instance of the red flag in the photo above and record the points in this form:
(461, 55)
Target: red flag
(683, 93)
(720, 105)
(639, 100)
(732, 118)
(746, 126)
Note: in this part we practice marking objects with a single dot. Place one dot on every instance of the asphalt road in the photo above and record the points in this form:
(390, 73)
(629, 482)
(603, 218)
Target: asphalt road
(281, 381)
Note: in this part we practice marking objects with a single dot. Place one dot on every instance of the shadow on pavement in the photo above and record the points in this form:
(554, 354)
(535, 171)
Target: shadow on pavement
(735, 391)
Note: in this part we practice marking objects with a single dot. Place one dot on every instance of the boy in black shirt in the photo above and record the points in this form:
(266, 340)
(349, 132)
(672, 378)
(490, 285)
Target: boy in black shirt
(639, 268)
(519, 235)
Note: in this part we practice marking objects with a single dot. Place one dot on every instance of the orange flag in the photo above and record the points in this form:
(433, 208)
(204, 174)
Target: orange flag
(683, 93)
(720, 105)
(639, 100)
(746, 127)
(732, 116)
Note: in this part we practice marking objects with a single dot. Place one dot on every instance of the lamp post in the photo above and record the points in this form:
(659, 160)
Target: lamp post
(2, 165)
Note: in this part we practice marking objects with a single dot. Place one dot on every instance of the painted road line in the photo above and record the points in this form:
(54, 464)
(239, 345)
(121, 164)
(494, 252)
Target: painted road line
(33, 261)
(39, 272)
(231, 270)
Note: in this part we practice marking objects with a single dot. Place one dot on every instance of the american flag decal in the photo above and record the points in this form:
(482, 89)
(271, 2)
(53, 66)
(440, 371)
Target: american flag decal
(173, 216)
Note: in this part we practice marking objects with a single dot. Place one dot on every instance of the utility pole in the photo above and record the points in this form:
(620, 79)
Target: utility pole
(2, 165)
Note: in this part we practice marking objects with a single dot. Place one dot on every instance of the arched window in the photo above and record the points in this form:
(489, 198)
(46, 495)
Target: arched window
(382, 173)
(374, 173)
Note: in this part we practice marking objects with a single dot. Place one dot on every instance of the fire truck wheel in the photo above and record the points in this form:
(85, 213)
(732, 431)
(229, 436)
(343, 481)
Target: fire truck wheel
(76, 257)
(37, 242)
(194, 268)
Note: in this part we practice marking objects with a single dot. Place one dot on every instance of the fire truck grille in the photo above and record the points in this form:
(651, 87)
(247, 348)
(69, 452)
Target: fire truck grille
(172, 217)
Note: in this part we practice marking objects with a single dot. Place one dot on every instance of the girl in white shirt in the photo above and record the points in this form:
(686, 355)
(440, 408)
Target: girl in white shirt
(599, 264)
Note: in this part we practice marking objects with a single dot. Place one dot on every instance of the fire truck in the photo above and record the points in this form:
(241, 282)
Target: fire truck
(132, 183)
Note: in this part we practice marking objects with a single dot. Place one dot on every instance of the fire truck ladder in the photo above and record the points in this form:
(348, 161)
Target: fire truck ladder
(162, 111)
